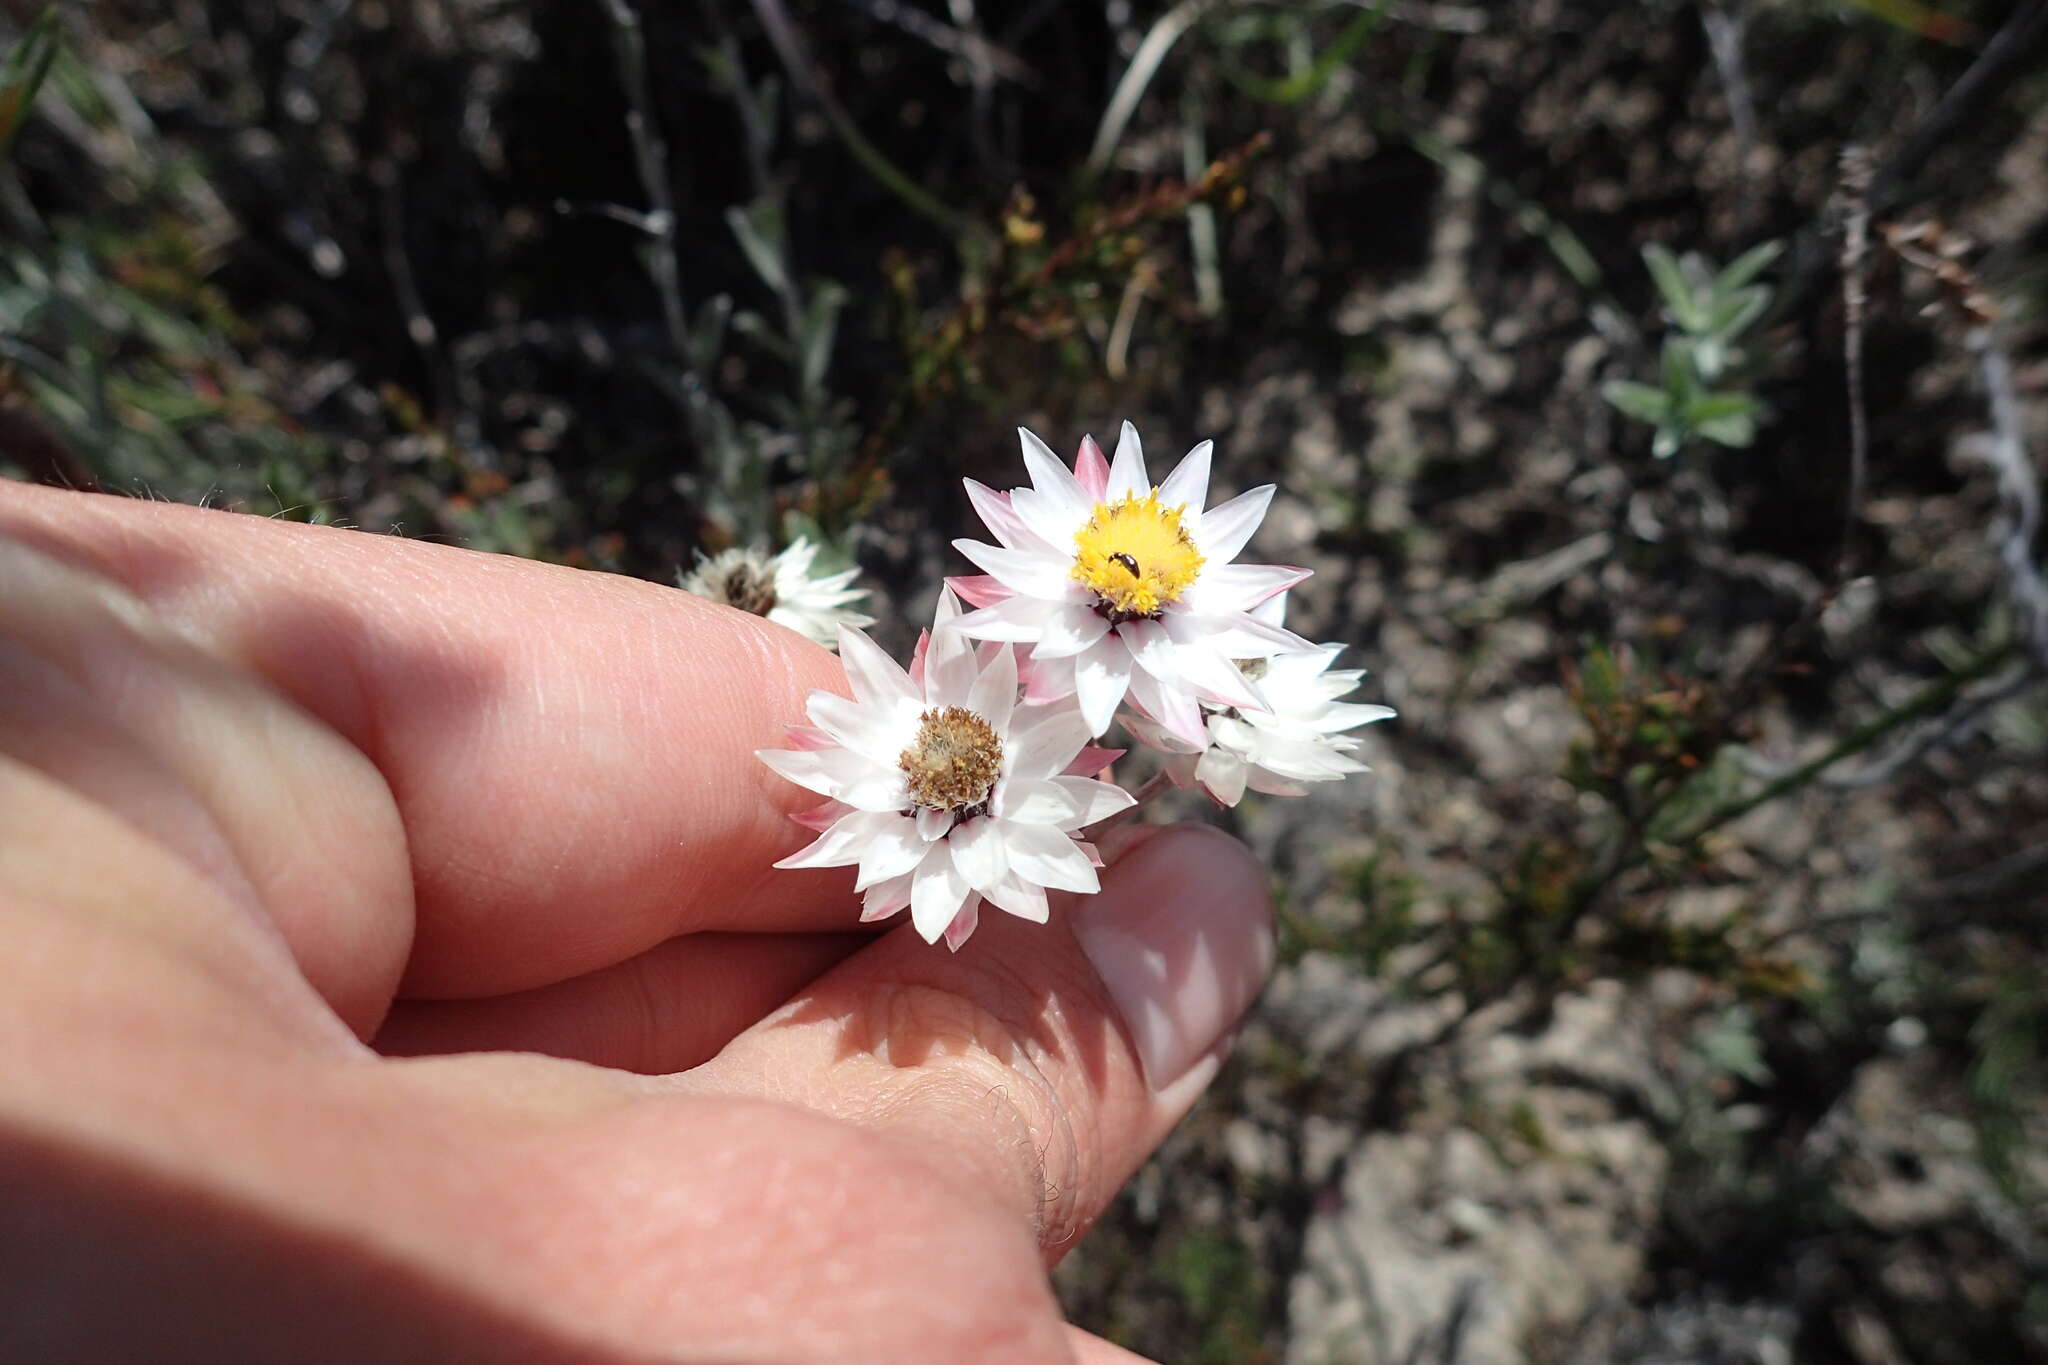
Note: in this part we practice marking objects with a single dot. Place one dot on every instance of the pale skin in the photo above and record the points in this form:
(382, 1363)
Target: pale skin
(391, 968)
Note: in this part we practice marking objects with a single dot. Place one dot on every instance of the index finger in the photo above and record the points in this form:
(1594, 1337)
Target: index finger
(571, 752)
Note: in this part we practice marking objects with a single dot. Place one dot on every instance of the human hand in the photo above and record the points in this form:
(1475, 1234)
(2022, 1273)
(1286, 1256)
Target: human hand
(289, 815)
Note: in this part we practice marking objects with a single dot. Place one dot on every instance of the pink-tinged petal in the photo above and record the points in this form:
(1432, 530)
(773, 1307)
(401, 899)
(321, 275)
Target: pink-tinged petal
(1263, 781)
(1102, 674)
(1174, 707)
(892, 850)
(994, 693)
(1060, 495)
(1030, 573)
(924, 643)
(821, 818)
(1018, 620)
(937, 892)
(963, 925)
(1238, 636)
(1001, 518)
(884, 899)
(932, 824)
(1043, 740)
(1020, 898)
(1044, 855)
(1091, 853)
(1224, 529)
(1127, 476)
(1231, 588)
(1037, 801)
(978, 852)
(1150, 648)
(1153, 735)
(808, 737)
(874, 733)
(949, 670)
(1092, 800)
(1188, 485)
(841, 775)
(1091, 760)
(842, 843)
(1068, 630)
(1222, 775)
(1215, 678)
(1046, 681)
(876, 678)
(1092, 470)
(979, 589)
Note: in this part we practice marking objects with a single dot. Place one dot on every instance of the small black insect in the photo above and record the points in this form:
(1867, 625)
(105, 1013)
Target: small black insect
(1128, 562)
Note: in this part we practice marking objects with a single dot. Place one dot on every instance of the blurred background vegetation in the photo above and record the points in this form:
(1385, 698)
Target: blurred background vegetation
(1657, 388)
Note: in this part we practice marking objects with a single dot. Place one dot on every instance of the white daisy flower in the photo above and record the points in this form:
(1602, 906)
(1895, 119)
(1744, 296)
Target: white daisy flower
(1123, 588)
(944, 790)
(782, 588)
(1299, 740)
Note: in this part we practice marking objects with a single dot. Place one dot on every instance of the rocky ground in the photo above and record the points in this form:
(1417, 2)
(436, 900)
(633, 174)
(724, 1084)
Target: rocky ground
(1825, 1146)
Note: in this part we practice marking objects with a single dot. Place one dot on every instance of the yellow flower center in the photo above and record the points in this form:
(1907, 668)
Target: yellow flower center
(1135, 555)
(953, 762)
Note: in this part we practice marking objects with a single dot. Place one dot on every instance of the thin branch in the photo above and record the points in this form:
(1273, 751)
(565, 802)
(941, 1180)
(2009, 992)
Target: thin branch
(1131, 86)
(1856, 172)
(650, 157)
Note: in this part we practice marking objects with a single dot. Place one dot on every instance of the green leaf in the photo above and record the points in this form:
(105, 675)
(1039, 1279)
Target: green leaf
(759, 230)
(1640, 401)
(1680, 372)
(1671, 283)
(1747, 267)
(27, 65)
(1728, 431)
(707, 336)
(1733, 314)
(820, 326)
(1714, 407)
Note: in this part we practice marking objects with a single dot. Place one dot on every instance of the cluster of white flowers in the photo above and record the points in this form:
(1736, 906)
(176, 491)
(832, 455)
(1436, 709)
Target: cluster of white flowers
(972, 775)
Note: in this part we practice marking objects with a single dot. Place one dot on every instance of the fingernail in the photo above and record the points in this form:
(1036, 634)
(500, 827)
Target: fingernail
(1182, 935)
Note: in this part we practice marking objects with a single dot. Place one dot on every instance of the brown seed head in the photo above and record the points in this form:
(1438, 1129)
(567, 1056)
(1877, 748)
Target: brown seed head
(954, 760)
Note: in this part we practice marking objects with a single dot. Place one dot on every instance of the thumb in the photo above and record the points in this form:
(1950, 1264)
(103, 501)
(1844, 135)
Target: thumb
(1041, 1064)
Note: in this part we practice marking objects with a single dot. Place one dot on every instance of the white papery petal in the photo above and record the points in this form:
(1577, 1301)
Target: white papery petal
(1216, 678)
(1020, 898)
(933, 824)
(1154, 735)
(979, 852)
(1150, 648)
(884, 899)
(1038, 801)
(1174, 708)
(949, 666)
(839, 845)
(841, 774)
(1043, 740)
(1017, 620)
(994, 693)
(1001, 518)
(936, 892)
(962, 927)
(1093, 800)
(875, 734)
(1342, 715)
(1053, 522)
(1060, 495)
(1036, 573)
(1067, 630)
(1102, 674)
(1047, 856)
(1127, 476)
(1188, 485)
(1222, 775)
(1228, 588)
(1225, 528)
(1237, 636)
(877, 679)
(890, 852)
